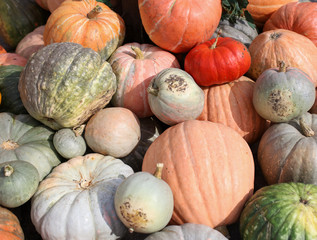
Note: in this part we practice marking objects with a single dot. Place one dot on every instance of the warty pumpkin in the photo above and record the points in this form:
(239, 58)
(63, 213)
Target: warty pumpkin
(10, 228)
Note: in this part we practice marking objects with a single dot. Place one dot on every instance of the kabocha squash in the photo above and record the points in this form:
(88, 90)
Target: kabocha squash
(144, 202)
(209, 168)
(297, 17)
(76, 200)
(217, 61)
(284, 93)
(135, 65)
(271, 47)
(18, 182)
(12, 59)
(174, 96)
(10, 228)
(113, 131)
(286, 151)
(63, 84)
(231, 104)
(24, 138)
(87, 22)
(18, 18)
(281, 211)
(177, 26)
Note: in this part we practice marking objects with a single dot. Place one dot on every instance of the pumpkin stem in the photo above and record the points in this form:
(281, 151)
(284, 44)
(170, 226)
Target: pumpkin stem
(9, 145)
(214, 45)
(307, 131)
(152, 90)
(94, 12)
(158, 171)
(8, 170)
(282, 66)
(138, 52)
(79, 130)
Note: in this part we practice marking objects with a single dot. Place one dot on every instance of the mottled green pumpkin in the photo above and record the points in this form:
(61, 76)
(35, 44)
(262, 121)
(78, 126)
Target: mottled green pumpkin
(63, 84)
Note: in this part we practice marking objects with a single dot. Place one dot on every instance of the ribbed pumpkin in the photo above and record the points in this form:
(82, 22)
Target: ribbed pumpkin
(209, 168)
(10, 228)
(63, 84)
(87, 22)
(177, 26)
(50, 5)
(12, 59)
(271, 47)
(231, 104)
(135, 65)
(297, 17)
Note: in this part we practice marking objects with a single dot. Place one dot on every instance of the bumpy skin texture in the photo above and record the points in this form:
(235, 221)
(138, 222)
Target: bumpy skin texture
(10, 228)
(281, 211)
(63, 84)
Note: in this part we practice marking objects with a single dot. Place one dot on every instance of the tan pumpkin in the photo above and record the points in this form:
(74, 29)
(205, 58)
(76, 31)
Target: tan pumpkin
(12, 59)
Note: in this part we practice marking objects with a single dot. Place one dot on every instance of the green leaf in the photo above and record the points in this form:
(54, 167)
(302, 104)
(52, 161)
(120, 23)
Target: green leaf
(249, 18)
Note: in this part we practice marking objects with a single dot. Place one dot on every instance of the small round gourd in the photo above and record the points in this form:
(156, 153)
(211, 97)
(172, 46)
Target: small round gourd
(18, 182)
(144, 202)
(281, 94)
(68, 143)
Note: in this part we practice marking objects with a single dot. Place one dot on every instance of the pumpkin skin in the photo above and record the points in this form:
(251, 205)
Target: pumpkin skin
(2, 50)
(217, 61)
(76, 200)
(68, 87)
(172, 25)
(134, 70)
(31, 43)
(50, 5)
(271, 47)
(12, 59)
(219, 169)
(297, 17)
(24, 138)
(18, 182)
(174, 96)
(10, 228)
(231, 104)
(281, 211)
(284, 93)
(83, 22)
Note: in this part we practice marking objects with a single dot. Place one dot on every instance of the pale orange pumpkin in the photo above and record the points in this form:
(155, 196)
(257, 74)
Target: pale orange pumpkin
(210, 169)
(12, 59)
(50, 5)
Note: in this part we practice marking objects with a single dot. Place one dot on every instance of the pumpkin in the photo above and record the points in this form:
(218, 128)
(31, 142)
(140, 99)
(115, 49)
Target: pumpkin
(210, 169)
(231, 104)
(297, 17)
(284, 93)
(63, 84)
(174, 96)
(50, 5)
(217, 61)
(76, 200)
(2, 50)
(18, 182)
(18, 18)
(281, 211)
(173, 25)
(135, 65)
(10, 228)
(286, 151)
(23, 138)
(31, 43)
(144, 202)
(262, 10)
(87, 22)
(271, 47)
(113, 131)
(12, 59)
(9, 80)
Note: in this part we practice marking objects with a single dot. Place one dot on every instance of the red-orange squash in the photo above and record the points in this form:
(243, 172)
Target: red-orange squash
(297, 17)
(178, 26)
(12, 59)
(10, 228)
(87, 22)
(231, 104)
(210, 169)
(135, 65)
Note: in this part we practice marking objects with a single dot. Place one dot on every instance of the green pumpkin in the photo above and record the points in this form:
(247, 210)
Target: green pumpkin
(18, 182)
(24, 138)
(63, 84)
(281, 211)
(9, 80)
(18, 18)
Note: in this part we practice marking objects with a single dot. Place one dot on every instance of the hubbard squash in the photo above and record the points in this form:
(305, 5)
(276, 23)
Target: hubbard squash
(10, 228)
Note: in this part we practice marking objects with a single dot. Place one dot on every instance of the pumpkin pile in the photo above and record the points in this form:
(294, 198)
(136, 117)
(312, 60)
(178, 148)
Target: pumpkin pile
(152, 120)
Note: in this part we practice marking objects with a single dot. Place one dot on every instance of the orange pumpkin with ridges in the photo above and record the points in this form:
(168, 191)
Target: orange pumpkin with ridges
(10, 228)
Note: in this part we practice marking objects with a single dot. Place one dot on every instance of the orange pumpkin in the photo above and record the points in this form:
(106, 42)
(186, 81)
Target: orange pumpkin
(12, 59)
(231, 104)
(50, 5)
(209, 167)
(10, 228)
(87, 22)
(271, 47)
(2, 50)
(297, 17)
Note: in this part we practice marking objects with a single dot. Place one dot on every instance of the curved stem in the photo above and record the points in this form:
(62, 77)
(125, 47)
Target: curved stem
(8, 170)
(307, 131)
(138, 52)
(94, 12)
(158, 171)
(214, 45)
